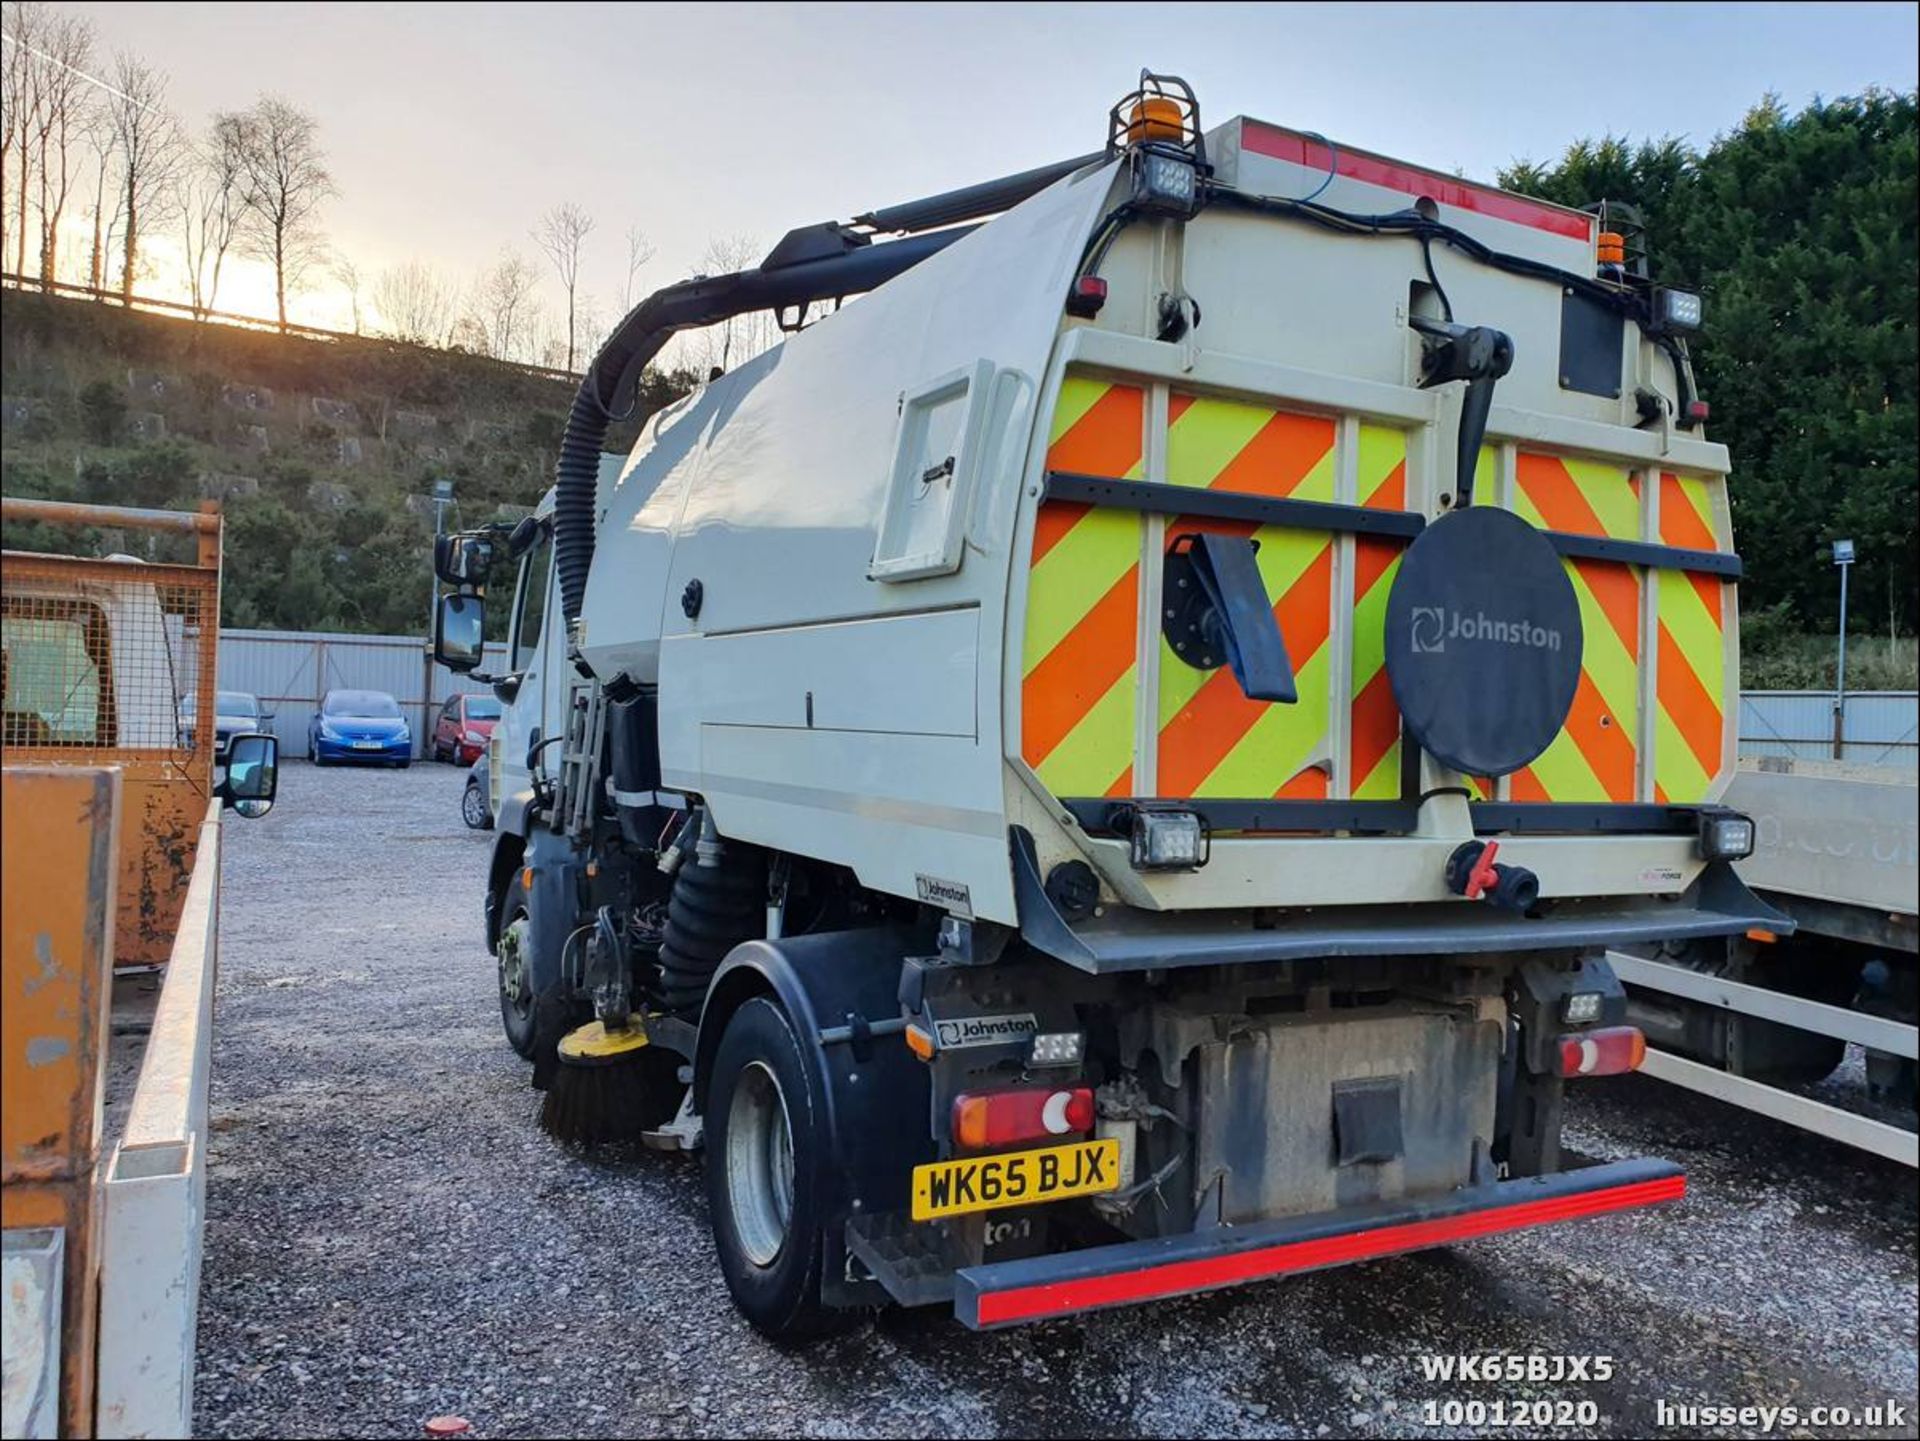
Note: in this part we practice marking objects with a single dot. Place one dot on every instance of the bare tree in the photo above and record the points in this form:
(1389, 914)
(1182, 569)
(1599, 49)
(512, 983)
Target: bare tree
(148, 142)
(592, 328)
(507, 305)
(639, 252)
(415, 304)
(286, 182)
(354, 282)
(105, 177)
(469, 333)
(737, 340)
(20, 99)
(561, 233)
(211, 203)
(60, 95)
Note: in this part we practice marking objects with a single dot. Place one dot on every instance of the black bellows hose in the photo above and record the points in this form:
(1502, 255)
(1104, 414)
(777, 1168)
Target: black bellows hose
(706, 300)
(575, 489)
(615, 371)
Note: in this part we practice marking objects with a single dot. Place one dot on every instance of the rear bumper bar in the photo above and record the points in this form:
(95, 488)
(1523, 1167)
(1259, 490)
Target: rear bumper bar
(1009, 1293)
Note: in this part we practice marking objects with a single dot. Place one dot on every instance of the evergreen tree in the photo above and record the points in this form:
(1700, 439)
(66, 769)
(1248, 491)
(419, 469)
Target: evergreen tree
(1799, 231)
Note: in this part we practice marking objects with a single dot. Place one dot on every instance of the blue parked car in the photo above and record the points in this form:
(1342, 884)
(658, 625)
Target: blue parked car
(359, 725)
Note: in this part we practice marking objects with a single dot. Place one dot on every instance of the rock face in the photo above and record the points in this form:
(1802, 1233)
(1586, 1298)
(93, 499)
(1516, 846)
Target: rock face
(325, 495)
(147, 425)
(341, 414)
(218, 485)
(16, 412)
(247, 397)
(414, 425)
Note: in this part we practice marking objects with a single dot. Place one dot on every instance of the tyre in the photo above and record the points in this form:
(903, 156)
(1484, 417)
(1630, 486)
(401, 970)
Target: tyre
(473, 808)
(765, 1130)
(514, 970)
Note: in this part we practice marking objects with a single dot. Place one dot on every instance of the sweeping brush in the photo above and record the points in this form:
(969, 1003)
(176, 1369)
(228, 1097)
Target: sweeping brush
(609, 1086)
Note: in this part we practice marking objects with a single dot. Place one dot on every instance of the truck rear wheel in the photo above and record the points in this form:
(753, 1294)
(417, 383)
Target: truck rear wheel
(765, 1124)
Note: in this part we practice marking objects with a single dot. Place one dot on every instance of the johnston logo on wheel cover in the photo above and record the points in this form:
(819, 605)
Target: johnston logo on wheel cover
(1483, 641)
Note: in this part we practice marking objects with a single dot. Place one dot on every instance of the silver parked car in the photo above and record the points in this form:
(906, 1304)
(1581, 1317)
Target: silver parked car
(476, 799)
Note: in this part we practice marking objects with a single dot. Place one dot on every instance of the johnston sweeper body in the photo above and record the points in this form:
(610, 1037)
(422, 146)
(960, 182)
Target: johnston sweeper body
(1109, 765)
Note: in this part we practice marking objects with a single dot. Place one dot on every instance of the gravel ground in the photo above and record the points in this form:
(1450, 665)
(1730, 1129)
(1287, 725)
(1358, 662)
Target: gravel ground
(390, 1236)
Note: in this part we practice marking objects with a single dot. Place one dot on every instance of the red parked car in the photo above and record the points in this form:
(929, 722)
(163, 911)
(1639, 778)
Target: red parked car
(460, 734)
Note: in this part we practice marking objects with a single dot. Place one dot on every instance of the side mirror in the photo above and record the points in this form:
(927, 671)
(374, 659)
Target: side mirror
(462, 559)
(253, 774)
(508, 686)
(459, 631)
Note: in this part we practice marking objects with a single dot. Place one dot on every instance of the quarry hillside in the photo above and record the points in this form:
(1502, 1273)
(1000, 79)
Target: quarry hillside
(322, 453)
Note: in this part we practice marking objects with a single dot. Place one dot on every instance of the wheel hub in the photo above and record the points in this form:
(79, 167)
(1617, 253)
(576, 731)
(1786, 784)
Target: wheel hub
(760, 1164)
(513, 961)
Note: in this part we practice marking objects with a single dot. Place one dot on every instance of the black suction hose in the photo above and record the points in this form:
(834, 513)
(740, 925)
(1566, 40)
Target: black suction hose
(575, 488)
(706, 300)
(638, 339)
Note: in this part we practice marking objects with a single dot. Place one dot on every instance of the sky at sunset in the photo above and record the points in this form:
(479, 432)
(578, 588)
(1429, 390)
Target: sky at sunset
(449, 128)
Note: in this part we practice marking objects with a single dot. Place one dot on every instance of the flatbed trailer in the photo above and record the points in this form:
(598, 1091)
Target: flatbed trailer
(1751, 1021)
(112, 804)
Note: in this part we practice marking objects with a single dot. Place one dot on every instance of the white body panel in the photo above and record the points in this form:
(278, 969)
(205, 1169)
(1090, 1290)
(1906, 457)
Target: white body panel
(769, 487)
(848, 687)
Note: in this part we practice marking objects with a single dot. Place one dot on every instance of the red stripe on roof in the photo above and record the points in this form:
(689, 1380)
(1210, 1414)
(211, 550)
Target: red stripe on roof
(1059, 1298)
(1412, 181)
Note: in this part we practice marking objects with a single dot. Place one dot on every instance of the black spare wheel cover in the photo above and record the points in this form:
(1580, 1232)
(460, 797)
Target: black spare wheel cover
(1483, 641)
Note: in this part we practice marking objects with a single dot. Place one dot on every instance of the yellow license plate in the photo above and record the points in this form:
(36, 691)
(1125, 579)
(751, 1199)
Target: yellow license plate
(1019, 1178)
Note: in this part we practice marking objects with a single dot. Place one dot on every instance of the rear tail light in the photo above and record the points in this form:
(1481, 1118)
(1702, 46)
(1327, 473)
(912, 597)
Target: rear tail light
(1611, 1051)
(1007, 1118)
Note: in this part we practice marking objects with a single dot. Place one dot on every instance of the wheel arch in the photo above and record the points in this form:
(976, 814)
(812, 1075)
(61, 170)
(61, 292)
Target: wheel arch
(876, 1115)
(509, 847)
(824, 981)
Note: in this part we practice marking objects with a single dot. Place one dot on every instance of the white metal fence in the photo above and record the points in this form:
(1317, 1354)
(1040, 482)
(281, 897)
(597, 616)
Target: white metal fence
(291, 670)
(1880, 728)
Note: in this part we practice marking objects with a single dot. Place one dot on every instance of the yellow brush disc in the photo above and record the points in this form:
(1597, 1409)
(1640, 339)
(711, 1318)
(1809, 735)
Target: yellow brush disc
(594, 1042)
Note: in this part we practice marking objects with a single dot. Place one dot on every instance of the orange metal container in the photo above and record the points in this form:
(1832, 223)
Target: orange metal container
(56, 980)
(114, 663)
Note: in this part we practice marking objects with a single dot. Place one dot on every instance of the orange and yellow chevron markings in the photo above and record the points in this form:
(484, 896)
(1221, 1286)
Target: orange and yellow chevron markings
(1596, 755)
(1213, 741)
(1689, 744)
(1375, 719)
(1080, 686)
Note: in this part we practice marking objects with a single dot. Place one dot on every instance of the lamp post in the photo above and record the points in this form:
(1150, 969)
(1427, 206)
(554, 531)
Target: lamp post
(1843, 558)
(442, 498)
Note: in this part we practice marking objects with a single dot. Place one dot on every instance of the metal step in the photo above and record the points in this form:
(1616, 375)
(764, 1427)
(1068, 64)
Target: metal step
(914, 1261)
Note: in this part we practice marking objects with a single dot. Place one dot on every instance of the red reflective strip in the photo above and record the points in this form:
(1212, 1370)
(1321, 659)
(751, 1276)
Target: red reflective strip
(1032, 1303)
(1412, 181)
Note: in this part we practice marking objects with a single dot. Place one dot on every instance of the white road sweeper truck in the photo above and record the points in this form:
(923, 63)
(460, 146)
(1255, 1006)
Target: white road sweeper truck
(1109, 765)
